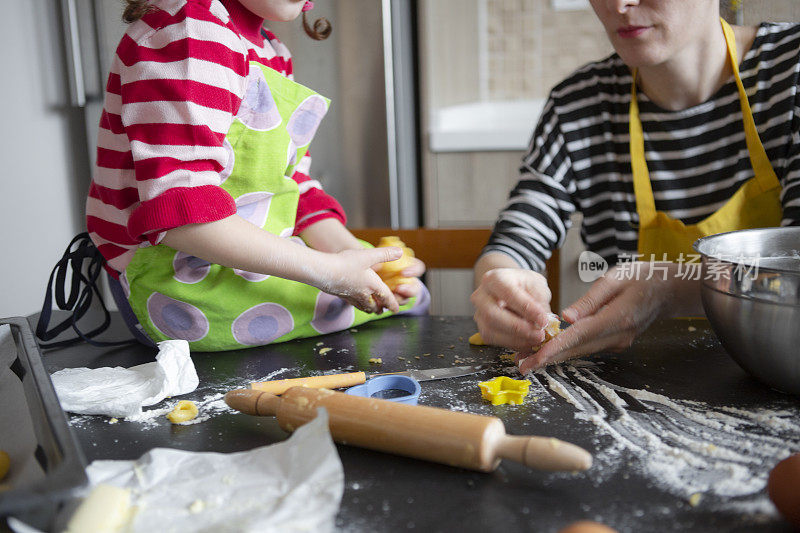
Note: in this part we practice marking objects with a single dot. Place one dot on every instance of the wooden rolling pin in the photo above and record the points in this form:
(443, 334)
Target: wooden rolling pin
(458, 439)
(331, 381)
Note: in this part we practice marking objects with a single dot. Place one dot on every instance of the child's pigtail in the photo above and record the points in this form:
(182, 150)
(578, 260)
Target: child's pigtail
(320, 31)
(135, 9)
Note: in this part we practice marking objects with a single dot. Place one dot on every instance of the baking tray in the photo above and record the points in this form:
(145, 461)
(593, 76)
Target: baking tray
(46, 462)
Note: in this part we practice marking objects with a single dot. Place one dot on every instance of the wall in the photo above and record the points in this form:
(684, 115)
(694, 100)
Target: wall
(754, 11)
(349, 151)
(43, 150)
(531, 47)
(492, 50)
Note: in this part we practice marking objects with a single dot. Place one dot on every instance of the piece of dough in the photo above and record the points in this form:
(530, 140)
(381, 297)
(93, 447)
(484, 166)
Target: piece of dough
(476, 340)
(107, 509)
(390, 271)
(552, 329)
(184, 411)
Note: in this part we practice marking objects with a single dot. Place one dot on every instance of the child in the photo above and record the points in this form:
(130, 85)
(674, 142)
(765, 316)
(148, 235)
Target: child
(202, 188)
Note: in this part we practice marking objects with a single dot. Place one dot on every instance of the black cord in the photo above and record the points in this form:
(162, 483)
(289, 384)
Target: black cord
(82, 289)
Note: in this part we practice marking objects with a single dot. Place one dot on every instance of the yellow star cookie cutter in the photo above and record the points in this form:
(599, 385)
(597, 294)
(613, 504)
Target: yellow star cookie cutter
(503, 389)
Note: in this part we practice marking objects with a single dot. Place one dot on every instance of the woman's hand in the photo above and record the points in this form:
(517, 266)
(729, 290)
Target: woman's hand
(511, 307)
(617, 309)
(349, 274)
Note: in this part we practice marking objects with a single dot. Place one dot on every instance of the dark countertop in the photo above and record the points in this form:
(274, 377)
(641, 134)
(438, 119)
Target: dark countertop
(680, 359)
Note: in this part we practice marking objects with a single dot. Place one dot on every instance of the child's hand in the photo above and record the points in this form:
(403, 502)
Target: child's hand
(407, 290)
(350, 276)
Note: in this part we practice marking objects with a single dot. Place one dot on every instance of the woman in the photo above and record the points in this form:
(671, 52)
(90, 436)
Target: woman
(669, 139)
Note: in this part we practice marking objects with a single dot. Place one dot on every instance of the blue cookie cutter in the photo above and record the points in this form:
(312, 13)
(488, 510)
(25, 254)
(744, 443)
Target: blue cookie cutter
(401, 389)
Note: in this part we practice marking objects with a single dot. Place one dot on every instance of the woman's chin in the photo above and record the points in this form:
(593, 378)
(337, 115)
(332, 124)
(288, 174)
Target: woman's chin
(639, 57)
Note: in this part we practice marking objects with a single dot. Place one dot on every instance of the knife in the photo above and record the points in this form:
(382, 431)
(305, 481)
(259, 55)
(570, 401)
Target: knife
(335, 381)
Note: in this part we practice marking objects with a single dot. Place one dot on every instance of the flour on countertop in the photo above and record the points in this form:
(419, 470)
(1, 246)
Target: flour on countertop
(685, 447)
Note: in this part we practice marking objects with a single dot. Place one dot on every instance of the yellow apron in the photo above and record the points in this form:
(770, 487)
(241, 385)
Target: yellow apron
(755, 204)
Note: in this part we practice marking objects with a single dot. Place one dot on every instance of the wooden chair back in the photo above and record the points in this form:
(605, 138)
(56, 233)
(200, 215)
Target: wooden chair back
(452, 248)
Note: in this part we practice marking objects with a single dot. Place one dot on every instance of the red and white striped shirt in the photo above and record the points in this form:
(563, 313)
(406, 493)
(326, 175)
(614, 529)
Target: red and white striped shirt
(175, 85)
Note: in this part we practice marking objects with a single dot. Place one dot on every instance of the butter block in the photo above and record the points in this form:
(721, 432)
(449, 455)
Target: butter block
(107, 509)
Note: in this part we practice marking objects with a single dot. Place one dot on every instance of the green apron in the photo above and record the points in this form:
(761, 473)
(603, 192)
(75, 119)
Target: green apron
(178, 296)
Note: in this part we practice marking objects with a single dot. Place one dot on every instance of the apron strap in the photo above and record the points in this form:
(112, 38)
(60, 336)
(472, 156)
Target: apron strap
(764, 173)
(642, 189)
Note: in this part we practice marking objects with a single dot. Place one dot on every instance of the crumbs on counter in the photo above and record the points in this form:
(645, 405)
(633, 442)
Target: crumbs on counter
(694, 499)
(375, 361)
(323, 351)
(197, 506)
(511, 357)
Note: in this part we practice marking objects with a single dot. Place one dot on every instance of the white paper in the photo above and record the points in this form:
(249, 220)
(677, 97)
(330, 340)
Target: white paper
(292, 486)
(122, 392)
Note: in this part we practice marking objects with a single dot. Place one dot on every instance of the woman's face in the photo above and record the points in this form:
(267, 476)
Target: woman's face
(275, 10)
(651, 32)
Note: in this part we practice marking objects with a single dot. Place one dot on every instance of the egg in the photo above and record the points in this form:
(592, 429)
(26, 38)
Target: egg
(586, 526)
(783, 487)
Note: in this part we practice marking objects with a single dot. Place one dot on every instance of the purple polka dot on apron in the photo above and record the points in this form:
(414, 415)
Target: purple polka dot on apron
(331, 313)
(250, 276)
(189, 269)
(254, 207)
(305, 120)
(176, 319)
(262, 324)
(258, 110)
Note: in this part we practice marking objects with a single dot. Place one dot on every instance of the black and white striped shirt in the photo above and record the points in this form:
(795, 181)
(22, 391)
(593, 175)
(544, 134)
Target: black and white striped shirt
(579, 157)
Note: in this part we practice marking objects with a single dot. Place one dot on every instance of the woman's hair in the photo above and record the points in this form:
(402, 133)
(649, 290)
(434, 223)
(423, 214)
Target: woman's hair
(136, 9)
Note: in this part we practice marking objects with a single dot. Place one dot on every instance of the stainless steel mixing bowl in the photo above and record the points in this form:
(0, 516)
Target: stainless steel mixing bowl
(751, 295)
